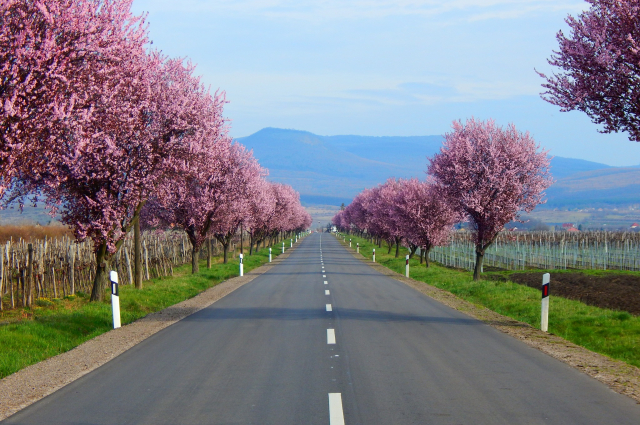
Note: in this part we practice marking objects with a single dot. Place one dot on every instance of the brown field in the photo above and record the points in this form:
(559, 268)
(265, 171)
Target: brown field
(613, 291)
(30, 231)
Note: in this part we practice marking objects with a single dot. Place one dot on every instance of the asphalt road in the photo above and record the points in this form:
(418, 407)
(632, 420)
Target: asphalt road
(265, 354)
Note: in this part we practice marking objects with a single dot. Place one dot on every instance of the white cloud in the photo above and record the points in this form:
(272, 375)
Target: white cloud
(358, 9)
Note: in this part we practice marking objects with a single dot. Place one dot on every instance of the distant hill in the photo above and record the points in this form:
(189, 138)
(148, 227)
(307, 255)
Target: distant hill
(331, 169)
(610, 186)
(319, 167)
(564, 167)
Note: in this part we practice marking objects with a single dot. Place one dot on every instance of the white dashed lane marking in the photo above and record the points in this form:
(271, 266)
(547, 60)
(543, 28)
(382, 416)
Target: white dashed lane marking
(329, 308)
(326, 292)
(336, 416)
(331, 336)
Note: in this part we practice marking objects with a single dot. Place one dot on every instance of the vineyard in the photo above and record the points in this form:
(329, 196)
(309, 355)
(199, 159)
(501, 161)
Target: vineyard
(545, 250)
(62, 267)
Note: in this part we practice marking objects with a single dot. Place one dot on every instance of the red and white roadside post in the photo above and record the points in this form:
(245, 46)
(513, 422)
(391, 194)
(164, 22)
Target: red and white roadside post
(374, 255)
(544, 317)
(241, 265)
(115, 299)
(358, 247)
(269, 254)
(406, 266)
(349, 243)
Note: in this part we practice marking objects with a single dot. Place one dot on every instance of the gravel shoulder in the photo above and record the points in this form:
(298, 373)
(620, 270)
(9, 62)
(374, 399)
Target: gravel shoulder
(617, 375)
(37, 381)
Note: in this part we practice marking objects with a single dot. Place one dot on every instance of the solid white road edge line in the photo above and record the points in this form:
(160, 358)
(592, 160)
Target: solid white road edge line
(336, 416)
(329, 308)
(331, 336)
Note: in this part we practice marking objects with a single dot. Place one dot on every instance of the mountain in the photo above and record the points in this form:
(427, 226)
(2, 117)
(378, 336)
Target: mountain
(611, 186)
(332, 169)
(565, 167)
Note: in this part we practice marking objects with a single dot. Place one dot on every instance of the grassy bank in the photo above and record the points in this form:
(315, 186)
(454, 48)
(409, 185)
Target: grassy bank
(28, 336)
(609, 332)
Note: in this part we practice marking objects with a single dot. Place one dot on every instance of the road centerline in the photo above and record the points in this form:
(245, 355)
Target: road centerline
(331, 336)
(336, 415)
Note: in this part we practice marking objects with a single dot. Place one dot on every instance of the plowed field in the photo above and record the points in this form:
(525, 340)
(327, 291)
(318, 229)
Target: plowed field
(614, 291)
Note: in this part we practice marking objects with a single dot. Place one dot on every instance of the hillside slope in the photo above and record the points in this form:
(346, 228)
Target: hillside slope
(332, 169)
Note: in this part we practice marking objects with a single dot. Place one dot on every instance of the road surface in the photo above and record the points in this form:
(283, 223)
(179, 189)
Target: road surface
(322, 338)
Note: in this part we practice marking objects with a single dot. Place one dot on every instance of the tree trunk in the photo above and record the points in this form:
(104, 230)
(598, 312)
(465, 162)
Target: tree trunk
(390, 245)
(251, 245)
(426, 256)
(478, 269)
(195, 260)
(209, 253)
(137, 254)
(225, 248)
(412, 249)
(421, 255)
(102, 274)
(398, 247)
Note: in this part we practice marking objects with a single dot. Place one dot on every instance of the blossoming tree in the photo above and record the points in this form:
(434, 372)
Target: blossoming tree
(490, 174)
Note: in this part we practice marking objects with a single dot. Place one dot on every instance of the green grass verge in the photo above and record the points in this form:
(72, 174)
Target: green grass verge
(613, 333)
(28, 336)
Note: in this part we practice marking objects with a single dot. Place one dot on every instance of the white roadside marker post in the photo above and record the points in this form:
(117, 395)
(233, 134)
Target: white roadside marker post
(544, 317)
(358, 247)
(349, 243)
(406, 267)
(374, 255)
(115, 299)
(269, 254)
(291, 244)
(241, 265)
(283, 247)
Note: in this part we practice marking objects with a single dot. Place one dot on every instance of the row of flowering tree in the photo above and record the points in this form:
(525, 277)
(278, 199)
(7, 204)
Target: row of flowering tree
(484, 174)
(98, 125)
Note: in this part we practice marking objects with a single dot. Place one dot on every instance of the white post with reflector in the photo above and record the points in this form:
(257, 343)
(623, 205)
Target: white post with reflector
(349, 243)
(544, 317)
(374, 255)
(406, 267)
(115, 299)
(269, 254)
(358, 247)
(241, 265)
(283, 247)
(291, 246)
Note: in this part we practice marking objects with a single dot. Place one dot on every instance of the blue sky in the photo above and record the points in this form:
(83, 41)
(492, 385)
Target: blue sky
(382, 67)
